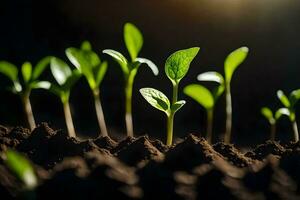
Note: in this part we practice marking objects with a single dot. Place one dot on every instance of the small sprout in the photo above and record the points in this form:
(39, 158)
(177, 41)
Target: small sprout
(268, 114)
(90, 65)
(134, 41)
(176, 67)
(233, 60)
(207, 99)
(65, 78)
(289, 109)
(21, 168)
(29, 81)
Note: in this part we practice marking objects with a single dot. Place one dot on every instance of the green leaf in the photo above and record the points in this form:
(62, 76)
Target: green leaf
(133, 40)
(86, 46)
(60, 70)
(119, 58)
(149, 63)
(26, 71)
(74, 57)
(211, 76)
(176, 106)
(233, 60)
(283, 98)
(56, 90)
(9, 70)
(40, 67)
(282, 111)
(268, 114)
(177, 65)
(294, 97)
(40, 85)
(101, 73)
(218, 91)
(21, 167)
(71, 80)
(156, 99)
(200, 94)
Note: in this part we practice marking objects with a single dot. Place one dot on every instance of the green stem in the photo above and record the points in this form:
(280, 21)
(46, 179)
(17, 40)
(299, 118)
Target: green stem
(68, 119)
(227, 136)
(175, 93)
(99, 112)
(28, 110)
(209, 125)
(273, 131)
(170, 122)
(128, 103)
(295, 129)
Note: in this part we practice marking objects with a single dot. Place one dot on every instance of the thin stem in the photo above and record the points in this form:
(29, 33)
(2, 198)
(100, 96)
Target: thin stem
(68, 119)
(175, 93)
(28, 110)
(99, 113)
(170, 122)
(128, 103)
(295, 129)
(228, 115)
(273, 131)
(209, 125)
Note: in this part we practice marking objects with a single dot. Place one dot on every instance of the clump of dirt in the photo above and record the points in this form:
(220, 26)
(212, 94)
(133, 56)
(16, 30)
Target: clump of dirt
(123, 144)
(10, 139)
(231, 154)
(105, 142)
(138, 151)
(193, 151)
(159, 145)
(263, 150)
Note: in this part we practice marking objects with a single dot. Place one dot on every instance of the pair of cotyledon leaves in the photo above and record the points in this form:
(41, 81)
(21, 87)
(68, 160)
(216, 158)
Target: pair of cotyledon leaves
(29, 74)
(201, 94)
(288, 103)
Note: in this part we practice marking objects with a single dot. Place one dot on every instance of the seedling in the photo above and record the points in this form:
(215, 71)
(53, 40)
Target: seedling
(29, 81)
(289, 109)
(65, 79)
(207, 99)
(90, 65)
(134, 41)
(268, 114)
(233, 60)
(21, 168)
(176, 67)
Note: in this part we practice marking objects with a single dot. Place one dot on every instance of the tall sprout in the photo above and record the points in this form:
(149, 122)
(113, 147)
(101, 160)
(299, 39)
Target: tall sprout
(176, 67)
(65, 78)
(134, 41)
(90, 65)
(208, 100)
(289, 104)
(233, 60)
(29, 81)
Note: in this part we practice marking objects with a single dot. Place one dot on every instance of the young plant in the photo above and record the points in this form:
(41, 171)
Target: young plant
(233, 60)
(90, 65)
(65, 79)
(207, 99)
(134, 41)
(28, 82)
(176, 67)
(268, 114)
(21, 168)
(289, 109)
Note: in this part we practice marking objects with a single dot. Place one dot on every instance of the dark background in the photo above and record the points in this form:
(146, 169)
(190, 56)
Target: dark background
(31, 29)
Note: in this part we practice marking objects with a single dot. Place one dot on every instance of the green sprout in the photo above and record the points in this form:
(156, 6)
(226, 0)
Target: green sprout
(268, 114)
(176, 67)
(233, 60)
(134, 41)
(207, 99)
(90, 65)
(29, 81)
(65, 78)
(21, 168)
(289, 109)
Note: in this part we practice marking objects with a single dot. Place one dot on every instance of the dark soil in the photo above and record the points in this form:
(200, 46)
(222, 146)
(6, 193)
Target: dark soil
(140, 168)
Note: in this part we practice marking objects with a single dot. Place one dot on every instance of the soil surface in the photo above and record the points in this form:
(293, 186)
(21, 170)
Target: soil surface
(141, 168)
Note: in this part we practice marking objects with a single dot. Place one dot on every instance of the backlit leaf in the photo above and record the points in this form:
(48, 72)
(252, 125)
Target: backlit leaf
(133, 40)
(156, 99)
(60, 70)
(283, 98)
(26, 71)
(200, 94)
(149, 63)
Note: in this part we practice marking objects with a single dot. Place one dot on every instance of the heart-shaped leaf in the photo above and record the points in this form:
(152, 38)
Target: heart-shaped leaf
(177, 65)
